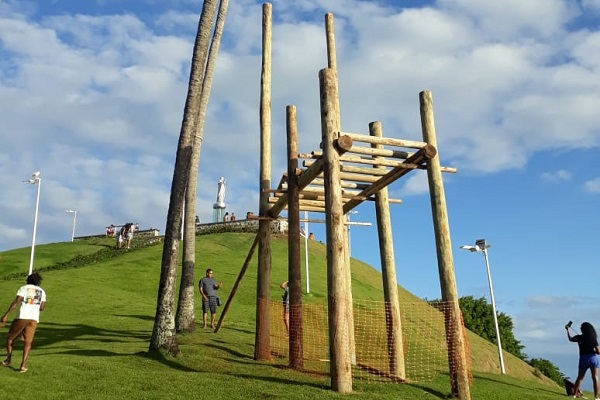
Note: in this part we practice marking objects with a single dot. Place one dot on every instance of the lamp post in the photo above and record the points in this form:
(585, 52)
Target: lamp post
(35, 178)
(481, 245)
(306, 250)
(74, 220)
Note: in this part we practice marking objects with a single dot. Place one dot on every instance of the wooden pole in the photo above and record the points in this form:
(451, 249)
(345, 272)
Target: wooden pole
(388, 271)
(262, 339)
(337, 270)
(330, 33)
(294, 271)
(457, 358)
(237, 283)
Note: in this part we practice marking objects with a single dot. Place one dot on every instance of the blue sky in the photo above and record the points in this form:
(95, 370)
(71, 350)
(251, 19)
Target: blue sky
(93, 93)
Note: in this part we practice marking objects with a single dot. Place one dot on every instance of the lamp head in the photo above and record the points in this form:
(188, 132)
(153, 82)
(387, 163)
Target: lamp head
(472, 249)
(35, 175)
(481, 243)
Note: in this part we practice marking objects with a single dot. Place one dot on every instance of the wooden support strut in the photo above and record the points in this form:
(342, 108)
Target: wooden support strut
(342, 145)
(421, 156)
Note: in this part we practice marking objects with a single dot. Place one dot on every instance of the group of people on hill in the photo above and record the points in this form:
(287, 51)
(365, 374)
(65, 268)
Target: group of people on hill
(31, 300)
(227, 218)
(125, 235)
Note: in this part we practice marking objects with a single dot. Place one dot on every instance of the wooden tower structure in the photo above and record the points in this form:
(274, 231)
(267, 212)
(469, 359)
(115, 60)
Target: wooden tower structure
(349, 169)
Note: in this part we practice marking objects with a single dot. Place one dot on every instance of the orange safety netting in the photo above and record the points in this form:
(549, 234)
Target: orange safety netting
(424, 344)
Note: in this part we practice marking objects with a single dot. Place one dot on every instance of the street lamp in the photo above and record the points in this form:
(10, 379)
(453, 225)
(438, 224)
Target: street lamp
(481, 245)
(306, 250)
(35, 178)
(74, 219)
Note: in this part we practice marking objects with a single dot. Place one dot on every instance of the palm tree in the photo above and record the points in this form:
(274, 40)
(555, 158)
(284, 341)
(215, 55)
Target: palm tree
(184, 319)
(164, 334)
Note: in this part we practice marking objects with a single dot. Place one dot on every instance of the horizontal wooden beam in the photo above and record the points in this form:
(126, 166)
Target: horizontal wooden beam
(348, 196)
(352, 168)
(400, 154)
(419, 157)
(315, 155)
(359, 137)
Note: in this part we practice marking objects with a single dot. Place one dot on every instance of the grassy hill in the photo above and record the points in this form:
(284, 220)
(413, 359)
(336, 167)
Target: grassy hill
(93, 338)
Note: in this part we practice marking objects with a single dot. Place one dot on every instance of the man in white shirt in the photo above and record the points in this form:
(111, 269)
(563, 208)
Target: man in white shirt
(32, 300)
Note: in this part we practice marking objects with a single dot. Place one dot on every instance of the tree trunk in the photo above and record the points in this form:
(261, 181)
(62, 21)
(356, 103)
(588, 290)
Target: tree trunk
(163, 334)
(185, 307)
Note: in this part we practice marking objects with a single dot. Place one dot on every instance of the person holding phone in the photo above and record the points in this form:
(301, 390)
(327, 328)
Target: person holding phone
(588, 355)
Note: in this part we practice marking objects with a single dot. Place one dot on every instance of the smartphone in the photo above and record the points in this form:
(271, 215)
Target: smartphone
(569, 324)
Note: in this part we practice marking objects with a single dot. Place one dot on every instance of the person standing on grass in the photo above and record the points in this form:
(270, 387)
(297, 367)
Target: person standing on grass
(32, 299)
(588, 356)
(208, 287)
(285, 286)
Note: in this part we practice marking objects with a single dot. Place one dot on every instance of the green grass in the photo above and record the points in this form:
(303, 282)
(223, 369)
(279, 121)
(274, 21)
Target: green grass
(93, 337)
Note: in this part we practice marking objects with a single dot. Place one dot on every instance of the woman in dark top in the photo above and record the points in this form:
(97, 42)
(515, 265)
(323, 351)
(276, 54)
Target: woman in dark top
(588, 355)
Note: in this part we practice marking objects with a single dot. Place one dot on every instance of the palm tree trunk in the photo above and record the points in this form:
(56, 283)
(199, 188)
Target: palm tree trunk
(185, 308)
(164, 334)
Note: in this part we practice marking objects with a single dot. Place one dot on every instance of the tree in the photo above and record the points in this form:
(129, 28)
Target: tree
(548, 369)
(164, 334)
(478, 317)
(184, 318)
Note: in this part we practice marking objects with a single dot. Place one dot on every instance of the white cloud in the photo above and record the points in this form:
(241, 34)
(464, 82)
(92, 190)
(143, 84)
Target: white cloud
(556, 176)
(100, 97)
(593, 185)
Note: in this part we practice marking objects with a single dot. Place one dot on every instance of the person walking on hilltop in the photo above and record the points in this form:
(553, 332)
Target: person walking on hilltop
(588, 356)
(129, 228)
(32, 299)
(208, 287)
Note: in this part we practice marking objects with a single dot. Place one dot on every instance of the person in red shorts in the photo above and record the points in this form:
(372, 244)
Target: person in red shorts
(32, 299)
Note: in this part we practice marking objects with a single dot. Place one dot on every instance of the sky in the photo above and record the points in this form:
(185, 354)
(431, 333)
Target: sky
(92, 96)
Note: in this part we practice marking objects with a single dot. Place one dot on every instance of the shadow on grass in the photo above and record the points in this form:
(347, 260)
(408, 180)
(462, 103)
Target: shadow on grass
(234, 353)
(141, 317)
(51, 334)
(429, 390)
(283, 380)
(166, 361)
(498, 381)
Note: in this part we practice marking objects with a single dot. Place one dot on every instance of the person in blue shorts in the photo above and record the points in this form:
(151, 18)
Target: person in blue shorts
(588, 356)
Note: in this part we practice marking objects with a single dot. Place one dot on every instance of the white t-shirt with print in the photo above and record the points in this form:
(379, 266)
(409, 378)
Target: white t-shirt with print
(33, 296)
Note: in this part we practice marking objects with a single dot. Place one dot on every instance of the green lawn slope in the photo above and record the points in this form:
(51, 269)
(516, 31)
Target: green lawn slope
(93, 337)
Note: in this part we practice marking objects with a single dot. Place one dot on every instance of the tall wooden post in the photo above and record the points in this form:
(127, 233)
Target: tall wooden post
(457, 358)
(330, 38)
(294, 272)
(388, 269)
(337, 270)
(262, 339)
(332, 63)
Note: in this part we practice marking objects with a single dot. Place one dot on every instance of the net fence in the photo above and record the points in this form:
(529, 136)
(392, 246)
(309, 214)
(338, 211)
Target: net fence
(423, 333)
